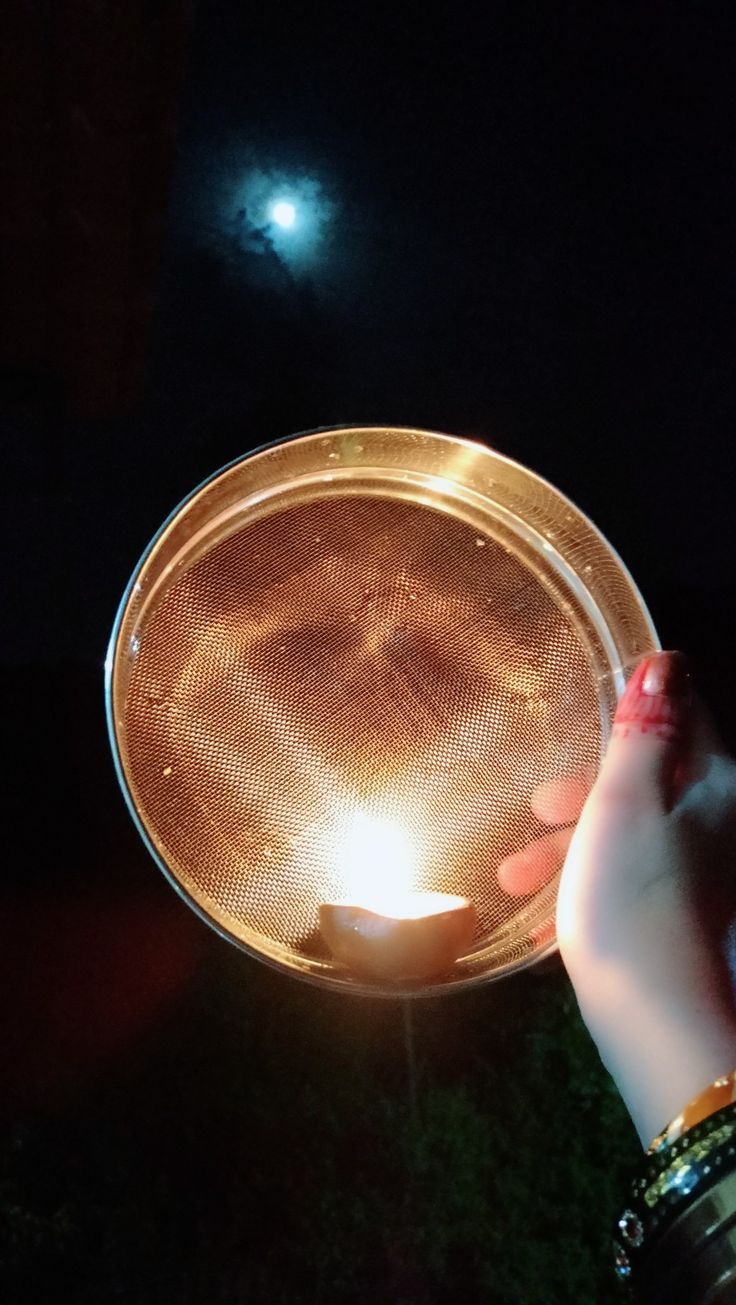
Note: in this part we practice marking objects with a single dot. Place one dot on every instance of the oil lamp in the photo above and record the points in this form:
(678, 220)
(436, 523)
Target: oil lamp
(383, 926)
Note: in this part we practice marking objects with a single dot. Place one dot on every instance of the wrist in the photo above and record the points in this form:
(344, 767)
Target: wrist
(660, 1053)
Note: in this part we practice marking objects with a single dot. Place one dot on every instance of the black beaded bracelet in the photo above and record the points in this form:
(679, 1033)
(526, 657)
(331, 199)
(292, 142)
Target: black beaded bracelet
(670, 1178)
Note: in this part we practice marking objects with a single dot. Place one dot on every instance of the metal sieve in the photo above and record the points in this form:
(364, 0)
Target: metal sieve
(374, 620)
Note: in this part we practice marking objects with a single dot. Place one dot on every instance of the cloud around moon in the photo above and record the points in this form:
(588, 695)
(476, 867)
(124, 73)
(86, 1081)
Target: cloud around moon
(300, 238)
(226, 190)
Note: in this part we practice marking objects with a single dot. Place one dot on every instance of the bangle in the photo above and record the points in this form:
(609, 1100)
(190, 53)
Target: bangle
(718, 1094)
(695, 1260)
(671, 1178)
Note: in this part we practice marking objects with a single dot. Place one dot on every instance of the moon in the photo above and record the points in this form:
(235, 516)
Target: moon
(267, 212)
(283, 213)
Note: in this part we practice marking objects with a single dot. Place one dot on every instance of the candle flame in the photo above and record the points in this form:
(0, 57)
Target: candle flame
(376, 861)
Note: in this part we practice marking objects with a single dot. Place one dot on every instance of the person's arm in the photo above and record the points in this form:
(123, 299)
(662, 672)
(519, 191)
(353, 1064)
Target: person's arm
(647, 894)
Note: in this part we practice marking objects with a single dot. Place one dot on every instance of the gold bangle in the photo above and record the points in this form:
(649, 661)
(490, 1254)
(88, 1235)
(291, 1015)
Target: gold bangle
(718, 1094)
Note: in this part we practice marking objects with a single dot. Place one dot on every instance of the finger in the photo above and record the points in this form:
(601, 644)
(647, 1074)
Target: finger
(560, 801)
(651, 734)
(529, 870)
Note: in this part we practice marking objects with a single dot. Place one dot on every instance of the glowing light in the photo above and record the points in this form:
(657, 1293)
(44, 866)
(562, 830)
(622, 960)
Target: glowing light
(376, 860)
(385, 929)
(283, 213)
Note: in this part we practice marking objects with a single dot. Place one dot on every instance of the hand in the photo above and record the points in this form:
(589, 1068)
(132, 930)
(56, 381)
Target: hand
(648, 896)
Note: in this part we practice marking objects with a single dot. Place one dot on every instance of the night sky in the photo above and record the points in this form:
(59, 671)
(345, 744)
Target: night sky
(517, 225)
(529, 240)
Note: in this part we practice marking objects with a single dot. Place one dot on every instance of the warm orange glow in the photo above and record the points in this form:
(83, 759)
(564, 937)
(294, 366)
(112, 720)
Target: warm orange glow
(376, 863)
(415, 906)
(383, 926)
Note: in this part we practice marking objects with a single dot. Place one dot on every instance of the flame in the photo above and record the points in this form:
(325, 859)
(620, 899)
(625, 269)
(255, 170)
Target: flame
(377, 865)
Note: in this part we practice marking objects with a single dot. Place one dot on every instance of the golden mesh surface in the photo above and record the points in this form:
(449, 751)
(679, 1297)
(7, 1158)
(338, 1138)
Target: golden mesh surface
(354, 653)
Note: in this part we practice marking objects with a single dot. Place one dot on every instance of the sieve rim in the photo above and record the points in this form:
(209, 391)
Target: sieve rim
(330, 979)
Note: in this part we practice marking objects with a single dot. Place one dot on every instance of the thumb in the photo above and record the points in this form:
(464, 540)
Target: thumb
(651, 736)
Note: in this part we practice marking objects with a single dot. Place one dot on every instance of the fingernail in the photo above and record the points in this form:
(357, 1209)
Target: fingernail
(664, 676)
(667, 674)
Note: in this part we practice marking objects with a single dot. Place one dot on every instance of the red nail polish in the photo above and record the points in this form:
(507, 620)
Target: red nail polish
(657, 696)
(667, 673)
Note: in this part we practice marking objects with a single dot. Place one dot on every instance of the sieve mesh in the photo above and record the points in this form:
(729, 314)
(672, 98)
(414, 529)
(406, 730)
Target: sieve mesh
(356, 651)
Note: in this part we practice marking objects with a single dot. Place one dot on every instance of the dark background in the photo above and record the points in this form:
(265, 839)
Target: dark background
(531, 242)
